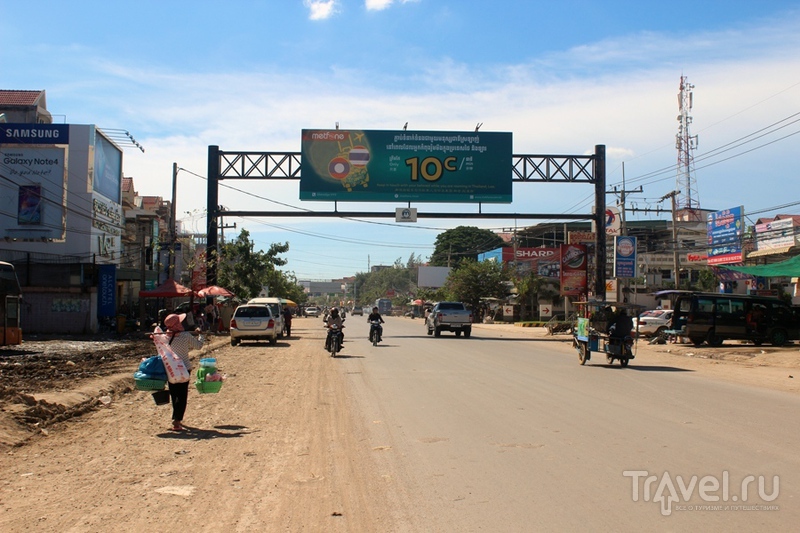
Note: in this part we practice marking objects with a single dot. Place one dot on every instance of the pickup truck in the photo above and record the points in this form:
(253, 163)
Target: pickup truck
(449, 316)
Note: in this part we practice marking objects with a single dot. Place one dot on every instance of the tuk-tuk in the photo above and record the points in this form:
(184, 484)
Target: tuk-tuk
(595, 331)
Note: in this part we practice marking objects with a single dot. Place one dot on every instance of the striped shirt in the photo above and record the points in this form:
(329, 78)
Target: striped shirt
(182, 343)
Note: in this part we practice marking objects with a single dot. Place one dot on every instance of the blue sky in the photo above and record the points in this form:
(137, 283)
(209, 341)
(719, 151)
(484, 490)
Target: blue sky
(561, 76)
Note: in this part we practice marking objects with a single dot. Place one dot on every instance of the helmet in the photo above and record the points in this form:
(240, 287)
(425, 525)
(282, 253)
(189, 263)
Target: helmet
(334, 311)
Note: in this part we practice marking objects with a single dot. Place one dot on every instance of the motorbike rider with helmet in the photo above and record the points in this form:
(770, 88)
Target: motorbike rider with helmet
(334, 318)
(375, 316)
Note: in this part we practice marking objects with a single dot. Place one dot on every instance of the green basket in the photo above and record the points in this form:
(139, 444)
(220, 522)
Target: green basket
(208, 387)
(149, 384)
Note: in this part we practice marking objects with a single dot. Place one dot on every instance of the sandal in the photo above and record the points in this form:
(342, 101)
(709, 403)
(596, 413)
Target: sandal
(177, 427)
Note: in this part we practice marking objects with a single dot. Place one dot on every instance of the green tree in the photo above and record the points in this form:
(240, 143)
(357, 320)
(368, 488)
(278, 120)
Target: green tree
(475, 280)
(532, 288)
(464, 242)
(397, 280)
(245, 271)
(707, 281)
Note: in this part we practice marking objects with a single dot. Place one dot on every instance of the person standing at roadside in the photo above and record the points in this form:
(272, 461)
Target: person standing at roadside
(181, 342)
(287, 320)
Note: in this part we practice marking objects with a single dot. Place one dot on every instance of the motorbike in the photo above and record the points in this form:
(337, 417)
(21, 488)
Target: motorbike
(333, 342)
(375, 332)
(591, 333)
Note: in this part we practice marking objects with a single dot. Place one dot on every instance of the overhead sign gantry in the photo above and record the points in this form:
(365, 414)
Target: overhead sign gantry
(407, 167)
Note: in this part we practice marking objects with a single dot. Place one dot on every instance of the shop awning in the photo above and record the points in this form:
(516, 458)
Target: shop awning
(770, 251)
(789, 268)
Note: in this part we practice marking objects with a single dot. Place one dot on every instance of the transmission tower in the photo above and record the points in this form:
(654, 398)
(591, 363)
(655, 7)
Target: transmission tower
(687, 198)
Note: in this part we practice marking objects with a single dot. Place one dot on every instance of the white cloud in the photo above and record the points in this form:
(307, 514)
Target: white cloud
(380, 5)
(320, 9)
(377, 5)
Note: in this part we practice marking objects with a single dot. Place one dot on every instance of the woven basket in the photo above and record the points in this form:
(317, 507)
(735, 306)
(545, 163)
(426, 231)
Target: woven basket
(208, 387)
(149, 384)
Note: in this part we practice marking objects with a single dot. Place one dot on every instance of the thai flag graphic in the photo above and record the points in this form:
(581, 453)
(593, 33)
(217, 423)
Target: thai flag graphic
(359, 156)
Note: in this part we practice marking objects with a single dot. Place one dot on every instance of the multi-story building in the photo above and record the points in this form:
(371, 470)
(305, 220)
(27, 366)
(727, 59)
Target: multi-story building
(81, 242)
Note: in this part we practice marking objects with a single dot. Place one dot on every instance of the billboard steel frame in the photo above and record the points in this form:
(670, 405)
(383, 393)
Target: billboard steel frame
(531, 168)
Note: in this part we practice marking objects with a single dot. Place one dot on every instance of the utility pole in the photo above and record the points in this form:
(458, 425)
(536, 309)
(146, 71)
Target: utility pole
(173, 233)
(675, 259)
(623, 223)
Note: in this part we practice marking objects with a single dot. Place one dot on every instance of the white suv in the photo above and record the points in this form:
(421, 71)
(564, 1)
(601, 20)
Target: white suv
(253, 322)
(276, 307)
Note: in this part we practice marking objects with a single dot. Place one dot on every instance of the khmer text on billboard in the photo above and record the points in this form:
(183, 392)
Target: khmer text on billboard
(406, 166)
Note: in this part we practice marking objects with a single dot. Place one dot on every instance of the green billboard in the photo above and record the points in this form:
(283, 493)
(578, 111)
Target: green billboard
(406, 166)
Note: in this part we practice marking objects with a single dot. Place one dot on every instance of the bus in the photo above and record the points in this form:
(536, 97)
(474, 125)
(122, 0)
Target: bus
(10, 300)
(384, 306)
(713, 318)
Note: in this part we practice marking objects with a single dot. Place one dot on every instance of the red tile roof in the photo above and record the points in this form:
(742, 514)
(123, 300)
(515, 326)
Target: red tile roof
(20, 98)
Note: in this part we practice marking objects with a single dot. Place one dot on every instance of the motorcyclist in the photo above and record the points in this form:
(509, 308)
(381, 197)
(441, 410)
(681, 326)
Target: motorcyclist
(334, 318)
(376, 316)
(622, 325)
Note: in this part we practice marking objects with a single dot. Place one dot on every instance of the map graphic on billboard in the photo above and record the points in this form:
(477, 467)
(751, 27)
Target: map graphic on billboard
(406, 166)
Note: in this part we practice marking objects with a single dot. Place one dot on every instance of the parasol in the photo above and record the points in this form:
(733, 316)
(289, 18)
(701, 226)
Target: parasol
(168, 289)
(214, 290)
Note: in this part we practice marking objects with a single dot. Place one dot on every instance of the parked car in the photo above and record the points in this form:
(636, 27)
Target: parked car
(276, 307)
(652, 323)
(311, 311)
(253, 322)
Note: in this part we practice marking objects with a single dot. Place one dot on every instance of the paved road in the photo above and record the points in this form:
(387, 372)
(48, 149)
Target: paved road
(503, 433)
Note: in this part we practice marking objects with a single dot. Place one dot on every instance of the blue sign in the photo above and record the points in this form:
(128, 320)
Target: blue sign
(725, 230)
(726, 227)
(34, 133)
(107, 291)
(624, 257)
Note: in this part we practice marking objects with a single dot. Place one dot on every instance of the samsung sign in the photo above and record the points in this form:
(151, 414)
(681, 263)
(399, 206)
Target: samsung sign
(34, 133)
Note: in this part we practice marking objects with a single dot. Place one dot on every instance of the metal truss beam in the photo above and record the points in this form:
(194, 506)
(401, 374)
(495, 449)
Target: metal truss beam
(529, 168)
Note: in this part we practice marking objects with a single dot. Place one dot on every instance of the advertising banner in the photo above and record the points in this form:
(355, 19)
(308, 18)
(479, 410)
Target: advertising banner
(35, 189)
(406, 166)
(776, 234)
(613, 221)
(624, 257)
(107, 291)
(724, 230)
(543, 261)
(573, 269)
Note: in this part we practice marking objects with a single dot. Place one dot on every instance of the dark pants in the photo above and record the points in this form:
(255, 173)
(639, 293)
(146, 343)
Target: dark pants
(179, 392)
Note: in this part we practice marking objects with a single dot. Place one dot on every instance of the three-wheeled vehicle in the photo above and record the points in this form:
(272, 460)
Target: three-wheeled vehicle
(593, 331)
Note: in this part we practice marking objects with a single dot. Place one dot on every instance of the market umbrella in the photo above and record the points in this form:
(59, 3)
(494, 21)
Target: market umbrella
(214, 290)
(290, 303)
(168, 289)
(417, 302)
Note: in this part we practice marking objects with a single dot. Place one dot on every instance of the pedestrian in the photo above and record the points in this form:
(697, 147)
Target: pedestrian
(181, 342)
(287, 320)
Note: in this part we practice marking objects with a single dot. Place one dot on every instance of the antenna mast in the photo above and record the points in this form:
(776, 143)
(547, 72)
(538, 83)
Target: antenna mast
(688, 200)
